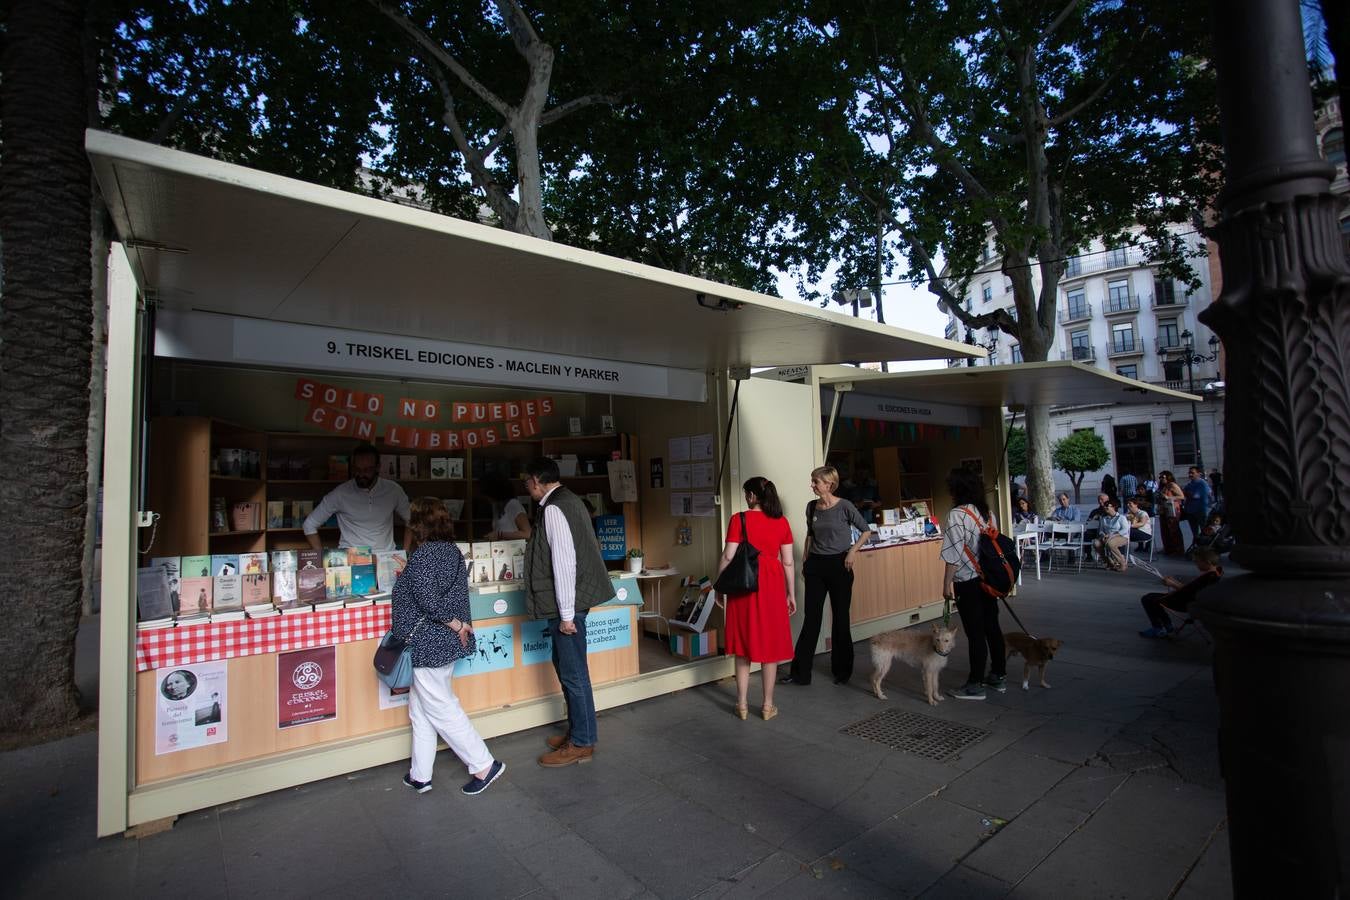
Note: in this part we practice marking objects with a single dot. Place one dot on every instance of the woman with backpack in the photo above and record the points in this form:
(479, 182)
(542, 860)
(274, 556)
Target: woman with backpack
(961, 583)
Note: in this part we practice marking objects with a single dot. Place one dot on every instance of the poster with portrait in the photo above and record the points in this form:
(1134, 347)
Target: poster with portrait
(191, 706)
(306, 686)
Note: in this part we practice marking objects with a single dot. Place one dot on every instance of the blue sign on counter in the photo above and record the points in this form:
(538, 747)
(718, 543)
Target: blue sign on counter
(494, 650)
(608, 628)
(536, 644)
(613, 540)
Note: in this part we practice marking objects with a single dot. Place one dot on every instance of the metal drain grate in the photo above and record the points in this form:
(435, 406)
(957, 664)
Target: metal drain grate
(916, 733)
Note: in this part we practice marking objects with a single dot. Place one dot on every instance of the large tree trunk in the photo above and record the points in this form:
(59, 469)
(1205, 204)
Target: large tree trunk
(45, 323)
(1040, 479)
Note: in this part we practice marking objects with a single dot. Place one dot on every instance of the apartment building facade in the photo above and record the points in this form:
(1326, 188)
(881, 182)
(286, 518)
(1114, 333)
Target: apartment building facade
(1116, 312)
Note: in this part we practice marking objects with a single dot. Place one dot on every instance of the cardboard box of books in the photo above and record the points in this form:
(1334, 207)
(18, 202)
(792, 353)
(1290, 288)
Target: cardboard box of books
(692, 645)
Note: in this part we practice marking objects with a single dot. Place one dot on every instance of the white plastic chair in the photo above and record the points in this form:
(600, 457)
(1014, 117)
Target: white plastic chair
(1129, 552)
(1066, 539)
(1028, 537)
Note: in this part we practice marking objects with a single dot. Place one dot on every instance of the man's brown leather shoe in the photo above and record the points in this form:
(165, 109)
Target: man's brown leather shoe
(566, 755)
(556, 741)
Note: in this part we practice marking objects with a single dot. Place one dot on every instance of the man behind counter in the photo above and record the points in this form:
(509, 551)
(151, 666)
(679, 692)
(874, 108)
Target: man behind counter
(365, 506)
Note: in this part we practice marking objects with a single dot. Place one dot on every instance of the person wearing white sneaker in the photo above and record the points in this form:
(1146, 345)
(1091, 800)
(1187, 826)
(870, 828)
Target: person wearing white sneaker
(431, 613)
(961, 584)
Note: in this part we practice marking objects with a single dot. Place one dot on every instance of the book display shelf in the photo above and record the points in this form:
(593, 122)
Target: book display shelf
(196, 487)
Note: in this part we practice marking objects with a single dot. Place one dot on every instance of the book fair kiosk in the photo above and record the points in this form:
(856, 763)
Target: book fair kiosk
(909, 430)
(259, 327)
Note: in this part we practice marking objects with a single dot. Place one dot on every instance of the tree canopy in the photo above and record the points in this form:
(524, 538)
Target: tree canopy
(1079, 453)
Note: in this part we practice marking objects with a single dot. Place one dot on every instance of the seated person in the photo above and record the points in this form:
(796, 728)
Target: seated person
(1023, 513)
(1181, 594)
(1114, 535)
(1141, 524)
(1100, 511)
(1216, 535)
(1144, 497)
(1064, 512)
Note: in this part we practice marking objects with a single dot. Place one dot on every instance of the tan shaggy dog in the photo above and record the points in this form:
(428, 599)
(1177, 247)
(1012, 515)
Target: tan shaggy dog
(926, 651)
(1036, 651)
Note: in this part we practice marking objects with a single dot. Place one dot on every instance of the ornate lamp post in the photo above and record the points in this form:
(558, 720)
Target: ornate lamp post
(991, 346)
(1282, 654)
(1188, 347)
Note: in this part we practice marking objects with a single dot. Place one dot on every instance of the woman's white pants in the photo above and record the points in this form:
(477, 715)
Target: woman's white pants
(434, 710)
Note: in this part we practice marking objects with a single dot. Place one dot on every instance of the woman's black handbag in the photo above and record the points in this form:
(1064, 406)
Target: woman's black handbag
(741, 576)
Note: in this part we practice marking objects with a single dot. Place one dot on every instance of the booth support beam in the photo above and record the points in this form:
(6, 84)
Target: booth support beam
(121, 468)
(840, 390)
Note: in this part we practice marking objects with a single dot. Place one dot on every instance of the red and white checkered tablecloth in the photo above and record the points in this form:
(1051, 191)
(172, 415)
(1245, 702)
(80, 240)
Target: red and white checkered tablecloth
(186, 644)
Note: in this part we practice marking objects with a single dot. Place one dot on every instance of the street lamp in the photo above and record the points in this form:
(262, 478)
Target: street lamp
(991, 346)
(1188, 349)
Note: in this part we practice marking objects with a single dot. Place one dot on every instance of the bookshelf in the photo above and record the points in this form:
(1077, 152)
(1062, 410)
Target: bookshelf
(182, 485)
(903, 474)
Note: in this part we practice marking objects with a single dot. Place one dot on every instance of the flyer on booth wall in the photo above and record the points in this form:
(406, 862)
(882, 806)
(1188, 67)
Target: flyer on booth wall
(190, 706)
(391, 698)
(306, 686)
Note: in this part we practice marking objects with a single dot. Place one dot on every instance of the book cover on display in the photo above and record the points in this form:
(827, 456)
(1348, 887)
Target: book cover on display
(407, 468)
(309, 559)
(389, 466)
(466, 551)
(171, 566)
(337, 467)
(360, 556)
(229, 593)
(363, 580)
(454, 467)
(196, 566)
(224, 564)
(152, 594)
(334, 558)
(501, 562)
(338, 582)
(300, 510)
(310, 585)
(195, 596)
(388, 566)
(285, 586)
(480, 571)
(297, 468)
(229, 463)
(276, 513)
(252, 563)
(438, 468)
(257, 589)
(285, 560)
(517, 558)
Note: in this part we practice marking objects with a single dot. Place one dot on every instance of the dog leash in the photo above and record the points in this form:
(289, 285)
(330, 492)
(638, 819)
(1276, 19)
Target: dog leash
(1017, 620)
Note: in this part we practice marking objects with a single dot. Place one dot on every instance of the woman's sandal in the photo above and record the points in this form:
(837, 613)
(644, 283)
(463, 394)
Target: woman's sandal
(742, 712)
(769, 712)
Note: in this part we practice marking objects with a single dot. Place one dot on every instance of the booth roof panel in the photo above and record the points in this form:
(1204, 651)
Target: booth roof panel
(211, 236)
(1042, 383)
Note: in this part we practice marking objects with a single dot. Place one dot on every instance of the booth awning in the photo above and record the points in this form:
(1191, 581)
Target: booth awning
(1040, 383)
(210, 236)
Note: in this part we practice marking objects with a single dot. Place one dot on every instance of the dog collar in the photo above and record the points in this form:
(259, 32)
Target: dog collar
(940, 653)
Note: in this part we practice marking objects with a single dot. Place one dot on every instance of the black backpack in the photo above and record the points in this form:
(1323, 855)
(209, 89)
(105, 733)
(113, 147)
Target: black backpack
(995, 559)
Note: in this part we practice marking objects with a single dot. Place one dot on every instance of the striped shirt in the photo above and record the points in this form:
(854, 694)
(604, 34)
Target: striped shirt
(963, 532)
(564, 559)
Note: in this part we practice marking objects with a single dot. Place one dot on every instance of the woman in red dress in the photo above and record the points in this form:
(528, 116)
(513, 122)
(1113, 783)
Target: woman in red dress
(757, 623)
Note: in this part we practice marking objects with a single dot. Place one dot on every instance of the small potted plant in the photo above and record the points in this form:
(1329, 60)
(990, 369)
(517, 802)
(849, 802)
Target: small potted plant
(635, 560)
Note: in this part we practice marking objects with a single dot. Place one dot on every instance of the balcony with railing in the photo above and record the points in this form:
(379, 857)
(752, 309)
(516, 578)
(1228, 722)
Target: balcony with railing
(1079, 354)
(1119, 306)
(1095, 261)
(1075, 312)
(1129, 346)
(1168, 345)
(1168, 304)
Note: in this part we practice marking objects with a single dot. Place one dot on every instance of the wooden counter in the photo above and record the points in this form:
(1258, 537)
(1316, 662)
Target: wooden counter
(893, 579)
(251, 702)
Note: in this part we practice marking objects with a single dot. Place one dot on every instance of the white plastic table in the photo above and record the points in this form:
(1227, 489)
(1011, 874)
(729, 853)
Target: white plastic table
(656, 575)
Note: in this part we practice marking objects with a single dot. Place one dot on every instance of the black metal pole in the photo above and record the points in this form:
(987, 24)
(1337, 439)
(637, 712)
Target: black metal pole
(1195, 419)
(1282, 653)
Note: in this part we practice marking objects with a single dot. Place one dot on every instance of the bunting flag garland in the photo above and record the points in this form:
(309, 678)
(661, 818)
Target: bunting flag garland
(908, 432)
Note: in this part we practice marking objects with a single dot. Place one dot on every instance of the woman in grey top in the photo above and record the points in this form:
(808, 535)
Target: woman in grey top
(828, 569)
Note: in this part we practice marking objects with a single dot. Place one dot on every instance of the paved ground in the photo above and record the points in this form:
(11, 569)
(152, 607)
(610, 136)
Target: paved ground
(1105, 786)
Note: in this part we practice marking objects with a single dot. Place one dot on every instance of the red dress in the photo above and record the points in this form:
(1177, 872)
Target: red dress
(757, 623)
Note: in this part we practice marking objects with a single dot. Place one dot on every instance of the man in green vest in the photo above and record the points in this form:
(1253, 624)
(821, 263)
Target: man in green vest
(565, 577)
